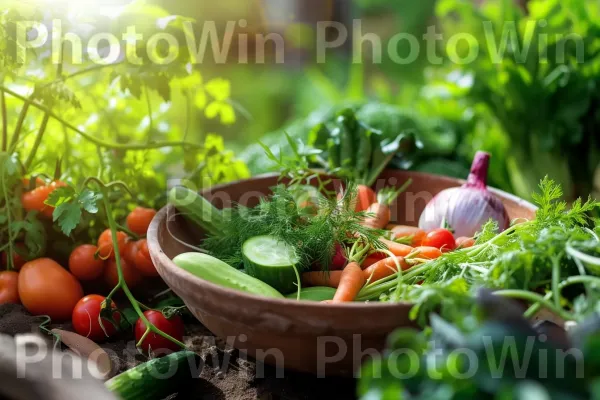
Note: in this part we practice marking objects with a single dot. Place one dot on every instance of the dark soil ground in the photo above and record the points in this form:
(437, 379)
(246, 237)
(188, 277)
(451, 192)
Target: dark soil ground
(225, 374)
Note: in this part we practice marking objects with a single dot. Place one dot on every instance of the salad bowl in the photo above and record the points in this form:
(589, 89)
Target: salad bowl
(324, 339)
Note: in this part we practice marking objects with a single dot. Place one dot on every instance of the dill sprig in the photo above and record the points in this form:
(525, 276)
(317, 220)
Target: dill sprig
(314, 236)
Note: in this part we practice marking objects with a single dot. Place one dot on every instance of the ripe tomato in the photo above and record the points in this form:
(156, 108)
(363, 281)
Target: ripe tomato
(105, 244)
(46, 288)
(130, 252)
(34, 199)
(83, 263)
(111, 276)
(139, 220)
(18, 260)
(143, 262)
(414, 236)
(38, 182)
(158, 344)
(463, 242)
(440, 239)
(86, 318)
(9, 292)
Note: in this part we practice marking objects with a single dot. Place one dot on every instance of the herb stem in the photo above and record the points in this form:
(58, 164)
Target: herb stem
(10, 254)
(15, 138)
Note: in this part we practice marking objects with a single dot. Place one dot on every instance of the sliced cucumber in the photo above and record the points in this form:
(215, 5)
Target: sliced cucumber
(315, 293)
(272, 261)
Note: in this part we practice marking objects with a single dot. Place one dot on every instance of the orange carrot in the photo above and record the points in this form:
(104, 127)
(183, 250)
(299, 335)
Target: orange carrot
(321, 278)
(381, 218)
(372, 259)
(351, 281)
(427, 252)
(366, 196)
(397, 249)
(383, 268)
(463, 242)
(409, 234)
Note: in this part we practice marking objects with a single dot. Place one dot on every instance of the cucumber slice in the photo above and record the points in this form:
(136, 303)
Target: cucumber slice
(315, 293)
(272, 261)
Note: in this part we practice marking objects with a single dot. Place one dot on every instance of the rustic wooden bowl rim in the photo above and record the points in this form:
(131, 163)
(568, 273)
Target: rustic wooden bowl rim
(302, 305)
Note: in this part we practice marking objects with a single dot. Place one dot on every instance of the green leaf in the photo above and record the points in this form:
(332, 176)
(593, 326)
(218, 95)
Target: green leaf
(88, 201)
(68, 216)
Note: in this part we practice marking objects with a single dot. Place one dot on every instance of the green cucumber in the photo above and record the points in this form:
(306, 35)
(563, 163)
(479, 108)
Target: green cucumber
(197, 209)
(315, 293)
(220, 273)
(148, 381)
(272, 261)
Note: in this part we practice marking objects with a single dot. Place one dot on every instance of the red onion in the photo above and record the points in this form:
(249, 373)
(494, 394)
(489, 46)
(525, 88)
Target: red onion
(465, 209)
(339, 260)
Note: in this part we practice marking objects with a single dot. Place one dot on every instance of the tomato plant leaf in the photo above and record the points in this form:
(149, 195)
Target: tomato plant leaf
(68, 216)
(88, 201)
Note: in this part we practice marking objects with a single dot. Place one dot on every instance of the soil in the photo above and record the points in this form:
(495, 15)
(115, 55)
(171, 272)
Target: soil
(225, 374)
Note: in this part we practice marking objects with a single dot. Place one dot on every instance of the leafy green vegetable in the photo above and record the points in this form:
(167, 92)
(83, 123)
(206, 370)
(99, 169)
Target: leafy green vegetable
(488, 352)
(527, 257)
(70, 205)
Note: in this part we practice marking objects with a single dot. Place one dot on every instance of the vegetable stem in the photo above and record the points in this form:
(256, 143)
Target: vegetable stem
(535, 298)
(38, 140)
(121, 283)
(19, 126)
(89, 137)
(4, 121)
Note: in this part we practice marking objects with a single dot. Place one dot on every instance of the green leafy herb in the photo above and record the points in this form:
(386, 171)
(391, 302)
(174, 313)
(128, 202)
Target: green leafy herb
(70, 206)
(313, 236)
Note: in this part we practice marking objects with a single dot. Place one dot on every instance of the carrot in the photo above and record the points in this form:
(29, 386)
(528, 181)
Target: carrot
(463, 242)
(366, 196)
(320, 278)
(351, 281)
(372, 259)
(383, 268)
(381, 218)
(381, 208)
(397, 249)
(427, 252)
(408, 234)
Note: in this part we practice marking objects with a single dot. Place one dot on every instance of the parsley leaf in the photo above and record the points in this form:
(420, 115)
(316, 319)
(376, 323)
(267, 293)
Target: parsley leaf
(70, 206)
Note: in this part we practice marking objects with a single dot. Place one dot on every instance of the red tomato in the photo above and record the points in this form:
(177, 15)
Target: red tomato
(34, 199)
(130, 252)
(84, 264)
(111, 276)
(38, 182)
(463, 242)
(156, 343)
(105, 244)
(18, 260)
(9, 292)
(46, 288)
(143, 262)
(86, 318)
(440, 239)
(139, 220)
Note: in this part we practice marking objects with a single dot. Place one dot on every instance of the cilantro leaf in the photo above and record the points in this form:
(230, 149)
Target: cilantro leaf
(88, 201)
(68, 216)
(70, 206)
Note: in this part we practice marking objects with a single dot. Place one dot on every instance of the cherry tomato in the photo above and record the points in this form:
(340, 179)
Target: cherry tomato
(130, 252)
(9, 292)
(86, 318)
(18, 260)
(156, 343)
(139, 220)
(46, 288)
(38, 182)
(411, 234)
(463, 242)
(111, 276)
(34, 199)
(143, 262)
(84, 264)
(440, 239)
(105, 244)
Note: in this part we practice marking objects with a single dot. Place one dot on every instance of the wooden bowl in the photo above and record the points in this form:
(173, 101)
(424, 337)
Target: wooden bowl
(304, 336)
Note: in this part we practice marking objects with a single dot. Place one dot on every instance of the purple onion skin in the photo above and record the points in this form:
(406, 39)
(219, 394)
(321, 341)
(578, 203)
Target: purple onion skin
(466, 208)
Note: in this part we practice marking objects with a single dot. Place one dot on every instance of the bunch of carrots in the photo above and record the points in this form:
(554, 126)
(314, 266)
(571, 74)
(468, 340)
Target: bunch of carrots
(404, 246)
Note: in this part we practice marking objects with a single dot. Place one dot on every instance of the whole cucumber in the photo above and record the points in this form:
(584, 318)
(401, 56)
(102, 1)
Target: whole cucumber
(220, 273)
